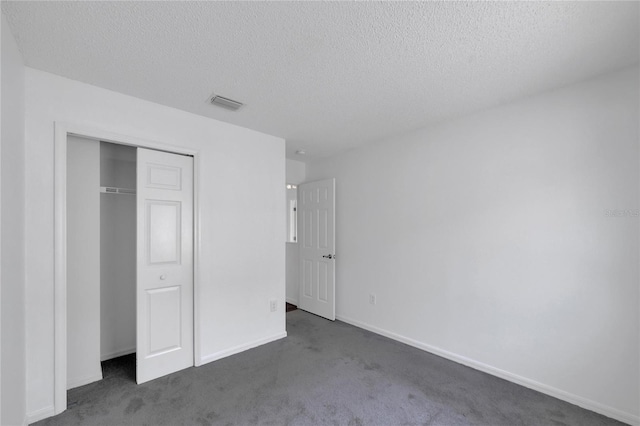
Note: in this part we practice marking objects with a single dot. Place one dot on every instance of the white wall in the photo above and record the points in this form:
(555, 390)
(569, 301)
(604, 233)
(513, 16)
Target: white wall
(117, 252)
(295, 174)
(296, 171)
(12, 360)
(486, 239)
(83, 261)
(241, 191)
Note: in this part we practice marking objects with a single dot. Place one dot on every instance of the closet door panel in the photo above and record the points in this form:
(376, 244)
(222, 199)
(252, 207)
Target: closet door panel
(164, 264)
(163, 233)
(165, 312)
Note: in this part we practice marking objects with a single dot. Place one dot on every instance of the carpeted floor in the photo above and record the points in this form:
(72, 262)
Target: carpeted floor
(322, 373)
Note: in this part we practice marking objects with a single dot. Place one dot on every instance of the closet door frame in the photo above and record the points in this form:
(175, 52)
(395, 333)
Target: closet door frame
(62, 131)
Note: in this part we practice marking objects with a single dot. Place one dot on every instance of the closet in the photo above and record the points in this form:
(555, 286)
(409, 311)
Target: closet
(129, 261)
(117, 250)
(101, 256)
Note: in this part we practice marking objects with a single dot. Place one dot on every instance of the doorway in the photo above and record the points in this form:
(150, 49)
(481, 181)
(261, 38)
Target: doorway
(163, 255)
(101, 256)
(129, 259)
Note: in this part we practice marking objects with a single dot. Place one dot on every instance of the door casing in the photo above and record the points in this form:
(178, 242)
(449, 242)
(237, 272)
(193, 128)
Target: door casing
(62, 130)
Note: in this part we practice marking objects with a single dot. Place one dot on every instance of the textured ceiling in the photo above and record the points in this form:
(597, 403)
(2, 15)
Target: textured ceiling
(327, 76)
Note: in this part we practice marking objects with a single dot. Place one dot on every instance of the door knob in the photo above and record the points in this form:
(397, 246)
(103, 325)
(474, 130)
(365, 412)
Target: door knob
(329, 256)
(163, 277)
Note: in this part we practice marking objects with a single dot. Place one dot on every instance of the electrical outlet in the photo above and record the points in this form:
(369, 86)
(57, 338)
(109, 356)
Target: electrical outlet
(273, 304)
(372, 299)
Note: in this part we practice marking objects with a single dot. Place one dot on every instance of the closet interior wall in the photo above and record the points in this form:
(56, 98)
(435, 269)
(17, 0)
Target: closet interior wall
(117, 251)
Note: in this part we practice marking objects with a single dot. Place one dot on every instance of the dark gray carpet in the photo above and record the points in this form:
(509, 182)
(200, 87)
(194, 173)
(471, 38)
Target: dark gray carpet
(323, 373)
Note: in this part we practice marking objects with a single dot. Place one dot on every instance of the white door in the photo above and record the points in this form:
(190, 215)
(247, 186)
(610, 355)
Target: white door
(164, 264)
(316, 221)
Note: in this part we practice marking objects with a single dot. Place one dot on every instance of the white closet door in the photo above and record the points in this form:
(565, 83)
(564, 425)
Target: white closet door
(164, 264)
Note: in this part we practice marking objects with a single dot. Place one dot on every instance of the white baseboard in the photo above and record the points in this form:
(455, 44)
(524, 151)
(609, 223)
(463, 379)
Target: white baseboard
(528, 383)
(40, 414)
(116, 354)
(84, 380)
(240, 348)
(292, 301)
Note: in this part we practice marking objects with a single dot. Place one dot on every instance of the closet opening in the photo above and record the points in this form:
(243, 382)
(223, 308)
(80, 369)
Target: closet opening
(101, 262)
(126, 258)
(117, 251)
(129, 262)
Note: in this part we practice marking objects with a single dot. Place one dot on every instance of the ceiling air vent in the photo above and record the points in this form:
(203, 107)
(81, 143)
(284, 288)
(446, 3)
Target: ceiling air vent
(226, 103)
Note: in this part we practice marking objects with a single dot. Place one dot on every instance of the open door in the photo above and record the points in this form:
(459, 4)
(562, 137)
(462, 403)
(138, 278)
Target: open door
(164, 264)
(316, 219)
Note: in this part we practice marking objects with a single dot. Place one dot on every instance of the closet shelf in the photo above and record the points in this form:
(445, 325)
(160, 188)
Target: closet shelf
(113, 190)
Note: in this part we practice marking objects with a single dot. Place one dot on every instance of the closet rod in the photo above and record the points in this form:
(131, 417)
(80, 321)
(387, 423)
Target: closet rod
(113, 190)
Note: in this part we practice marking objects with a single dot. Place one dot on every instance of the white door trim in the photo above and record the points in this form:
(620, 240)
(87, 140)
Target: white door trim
(62, 130)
